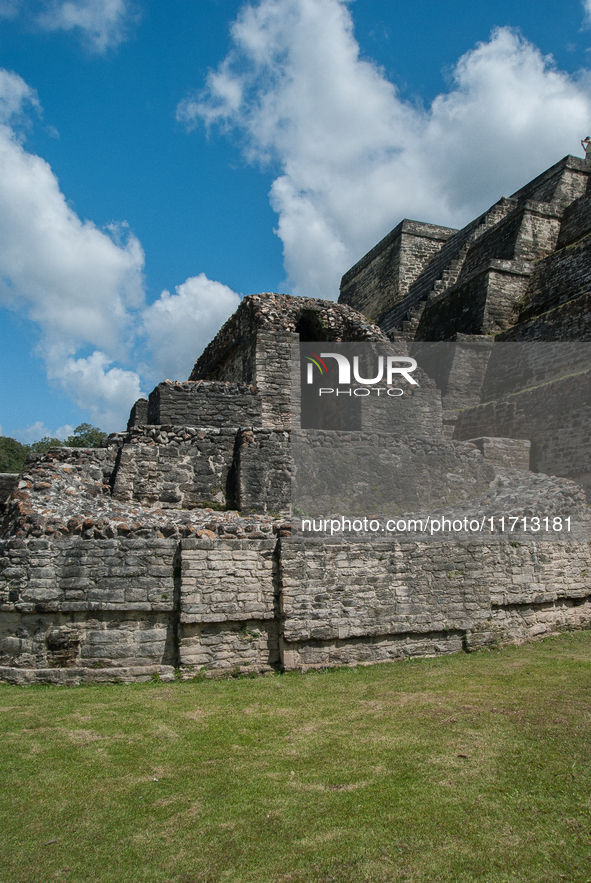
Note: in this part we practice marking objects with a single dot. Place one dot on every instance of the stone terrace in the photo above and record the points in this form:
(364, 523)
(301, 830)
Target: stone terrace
(171, 547)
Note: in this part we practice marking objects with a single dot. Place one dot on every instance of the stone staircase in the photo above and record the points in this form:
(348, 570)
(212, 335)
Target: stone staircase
(408, 327)
(443, 272)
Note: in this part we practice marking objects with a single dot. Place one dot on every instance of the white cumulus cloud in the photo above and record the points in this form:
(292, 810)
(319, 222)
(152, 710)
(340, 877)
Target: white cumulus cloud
(38, 430)
(83, 287)
(79, 284)
(354, 157)
(15, 98)
(179, 326)
(107, 392)
(34, 432)
(103, 24)
(77, 281)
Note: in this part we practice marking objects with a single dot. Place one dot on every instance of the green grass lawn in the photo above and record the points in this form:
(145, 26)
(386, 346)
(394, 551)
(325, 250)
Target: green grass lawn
(470, 767)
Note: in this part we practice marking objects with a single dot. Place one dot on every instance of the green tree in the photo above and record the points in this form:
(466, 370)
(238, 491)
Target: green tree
(85, 436)
(44, 444)
(12, 454)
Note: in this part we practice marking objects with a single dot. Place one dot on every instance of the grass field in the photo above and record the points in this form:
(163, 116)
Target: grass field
(465, 768)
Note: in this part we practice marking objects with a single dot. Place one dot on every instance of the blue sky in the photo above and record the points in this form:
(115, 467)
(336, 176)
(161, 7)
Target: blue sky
(158, 160)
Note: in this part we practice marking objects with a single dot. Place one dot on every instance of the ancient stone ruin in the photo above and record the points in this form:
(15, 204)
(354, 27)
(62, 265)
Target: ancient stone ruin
(171, 547)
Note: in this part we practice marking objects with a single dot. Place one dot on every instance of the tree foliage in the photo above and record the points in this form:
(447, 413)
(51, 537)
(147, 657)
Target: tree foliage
(45, 443)
(13, 454)
(85, 436)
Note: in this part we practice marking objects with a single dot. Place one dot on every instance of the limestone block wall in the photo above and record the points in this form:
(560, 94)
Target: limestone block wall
(81, 610)
(417, 413)
(189, 468)
(278, 313)
(561, 184)
(228, 605)
(55, 648)
(91, 561)
(72, 575)
(76, 609)
(561, 277)
(569, 321)
(555, 416)
(509, 453)
(243, 647)
(273, 377)
(259, 368)
(254, 346)
(227, 580)
(376, 474)
(350, 603)
(485, 303)
(263, 472)
(522, 228)
(528, 233)
(204, 403)
(443, 271)
(494, 275)
(458, 367)
(138, 415)
(576, 222)
(519, 366)
(383, 276)
(334, 590)
(230, 356)
(56, 497)
(516, 623)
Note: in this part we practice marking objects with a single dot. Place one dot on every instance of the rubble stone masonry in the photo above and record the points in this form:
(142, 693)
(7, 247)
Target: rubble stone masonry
(172, 550)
